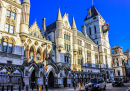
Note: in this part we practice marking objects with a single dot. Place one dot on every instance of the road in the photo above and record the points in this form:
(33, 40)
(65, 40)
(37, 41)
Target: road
(108, 88)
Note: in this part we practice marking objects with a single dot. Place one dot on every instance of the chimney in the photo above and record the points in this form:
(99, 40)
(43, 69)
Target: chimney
(43, 24)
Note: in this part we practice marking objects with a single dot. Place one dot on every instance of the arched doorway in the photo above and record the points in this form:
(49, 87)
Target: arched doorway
(51, 79)
(33, 79)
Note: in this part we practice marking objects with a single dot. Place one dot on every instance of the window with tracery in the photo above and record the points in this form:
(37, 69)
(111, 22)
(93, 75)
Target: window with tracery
(10, 21)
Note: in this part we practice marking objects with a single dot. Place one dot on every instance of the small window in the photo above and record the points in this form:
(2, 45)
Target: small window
(9, 62)
(89, 30)
(10, 47)
(34, 34)
(117, 63)
(5, 46)
(64, 36)
(118, 73)
(12, 29)
(95, 29)
(97, 42)
(13, 16)
(6, 27)
(8, 13)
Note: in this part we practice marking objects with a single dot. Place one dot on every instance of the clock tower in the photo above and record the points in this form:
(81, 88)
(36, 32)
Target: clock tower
(96, 28)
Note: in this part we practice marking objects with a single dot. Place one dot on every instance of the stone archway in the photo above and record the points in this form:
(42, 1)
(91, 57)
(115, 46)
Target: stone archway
(33, 79)
(51, 79)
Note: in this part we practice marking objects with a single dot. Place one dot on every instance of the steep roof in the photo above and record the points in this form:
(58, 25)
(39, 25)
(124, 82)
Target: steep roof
(50, 27)
(94, 12)
(80, 34)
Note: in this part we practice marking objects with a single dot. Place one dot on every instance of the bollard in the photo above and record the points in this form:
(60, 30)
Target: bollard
(79, 86)
(39, 87)
(3, 88)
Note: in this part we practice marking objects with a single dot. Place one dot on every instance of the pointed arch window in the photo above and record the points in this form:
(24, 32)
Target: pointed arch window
(37, 57)
(10, 47)
(89, 31)
(34, 34)
(5, 44)
(95, 29)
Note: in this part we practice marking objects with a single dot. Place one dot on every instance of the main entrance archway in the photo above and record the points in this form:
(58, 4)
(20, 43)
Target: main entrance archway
(33, 79)
(51, 79)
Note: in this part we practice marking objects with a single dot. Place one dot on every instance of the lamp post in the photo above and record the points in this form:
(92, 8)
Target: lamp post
(74, 78)
(46, 80)
(8, 80)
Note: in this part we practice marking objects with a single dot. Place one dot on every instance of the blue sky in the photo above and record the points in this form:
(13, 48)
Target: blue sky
(115, 12)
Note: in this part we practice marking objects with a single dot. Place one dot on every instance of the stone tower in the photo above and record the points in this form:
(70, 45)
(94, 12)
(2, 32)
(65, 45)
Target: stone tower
(24, 19)
(59, 28)
(97, 29)
(75, 46)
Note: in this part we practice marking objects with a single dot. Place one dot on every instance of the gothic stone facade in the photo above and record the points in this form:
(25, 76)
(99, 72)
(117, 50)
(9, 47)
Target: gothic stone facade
(121, 62)
(25, 51)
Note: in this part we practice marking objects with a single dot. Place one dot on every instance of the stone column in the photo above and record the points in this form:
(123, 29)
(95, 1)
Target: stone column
(26, 78)
(41, 56)
(27, 53)
(34, 55)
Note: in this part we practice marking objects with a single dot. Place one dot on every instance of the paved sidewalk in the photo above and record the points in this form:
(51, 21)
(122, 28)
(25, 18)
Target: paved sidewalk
(58, 89)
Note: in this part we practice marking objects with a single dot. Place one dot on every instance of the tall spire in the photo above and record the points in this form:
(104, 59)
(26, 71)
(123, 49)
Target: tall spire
(73, 24)
(92, 2)
(59, 18)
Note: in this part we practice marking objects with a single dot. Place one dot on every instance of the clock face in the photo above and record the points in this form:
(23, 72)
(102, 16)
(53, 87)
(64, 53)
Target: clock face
(105, 27)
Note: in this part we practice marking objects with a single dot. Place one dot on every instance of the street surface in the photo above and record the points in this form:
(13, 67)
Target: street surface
(109, 87)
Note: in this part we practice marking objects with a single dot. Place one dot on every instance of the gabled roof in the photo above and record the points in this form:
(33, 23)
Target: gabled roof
(80, 34)
(94, 12)
(35, 29)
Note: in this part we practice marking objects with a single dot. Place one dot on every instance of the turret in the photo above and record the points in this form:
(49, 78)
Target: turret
(24, 19)
(43, 27)
(59, 28)
(74, 29)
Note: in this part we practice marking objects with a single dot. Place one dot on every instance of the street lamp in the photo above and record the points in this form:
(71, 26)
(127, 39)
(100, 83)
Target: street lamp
(46, 80)
(74, 78)
(8, 80)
